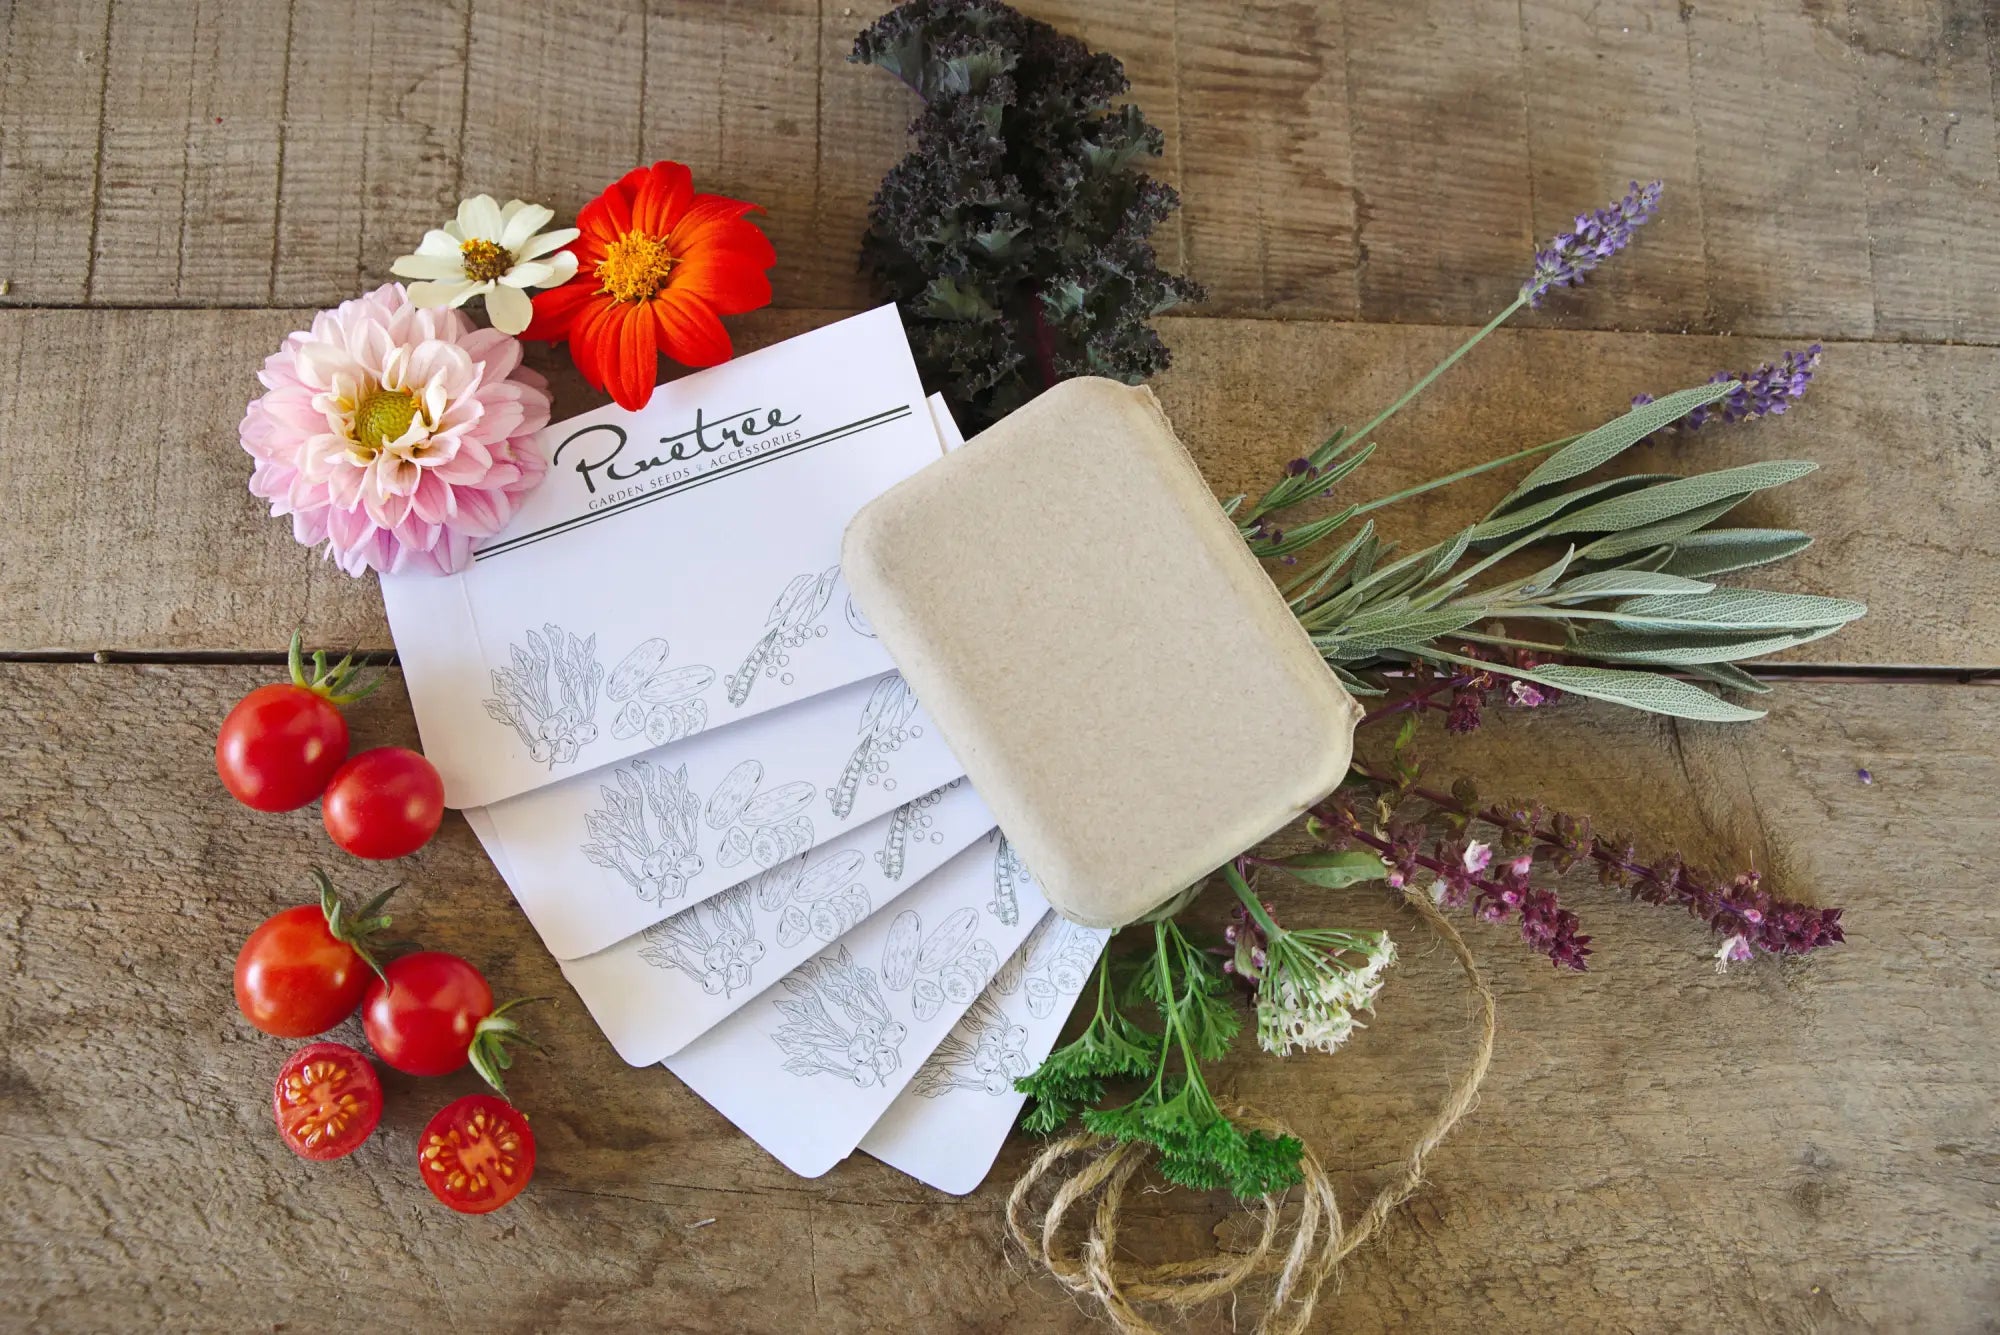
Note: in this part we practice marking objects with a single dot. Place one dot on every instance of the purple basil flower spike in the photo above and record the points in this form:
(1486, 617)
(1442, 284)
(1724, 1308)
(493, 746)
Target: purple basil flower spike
(1594, 238)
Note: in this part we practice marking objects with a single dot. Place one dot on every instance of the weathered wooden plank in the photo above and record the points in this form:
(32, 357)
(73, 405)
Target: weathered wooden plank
(1932, 152)
(1787, 1146)
(1427, 148)
(373, 106)
(1917, 543)
(734, 93)
(193, 117)
(1831, 170)
(555, 99)
(51, 113)
(1271, 214)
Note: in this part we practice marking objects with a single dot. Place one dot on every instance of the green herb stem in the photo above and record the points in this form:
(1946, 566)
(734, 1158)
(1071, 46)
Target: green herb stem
(1439, 369)
(1474, 471)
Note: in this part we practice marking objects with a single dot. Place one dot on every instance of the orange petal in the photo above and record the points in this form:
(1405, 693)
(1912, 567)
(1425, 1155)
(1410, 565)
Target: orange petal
(556, 309)
(592, 340)
(664, 198)
(690, 333)
(708, 208)
(610, 214)
(634, 362)
(727, 280)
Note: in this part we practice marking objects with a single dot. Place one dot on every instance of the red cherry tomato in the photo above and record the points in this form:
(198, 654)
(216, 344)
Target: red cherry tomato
(279, 746)
(384, 803)
(281, 743)
(423, 1020)
(477, 1153)
(304, 970)
(327, 1100)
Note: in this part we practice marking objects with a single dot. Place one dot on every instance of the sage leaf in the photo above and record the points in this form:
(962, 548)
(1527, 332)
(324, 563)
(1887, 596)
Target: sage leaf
(1688, 648)
(1653, 504)
(1739, 609)
(1661, 535)
(1401, 629)
(1335, 871)
(1607, 442)
(1647, 691)
(1720, 550)
(1728, 674)
(1626, 583)
(1541, 512)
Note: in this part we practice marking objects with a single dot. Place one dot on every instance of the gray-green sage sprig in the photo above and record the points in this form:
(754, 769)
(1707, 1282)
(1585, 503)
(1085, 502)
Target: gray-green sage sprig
(1625, 610)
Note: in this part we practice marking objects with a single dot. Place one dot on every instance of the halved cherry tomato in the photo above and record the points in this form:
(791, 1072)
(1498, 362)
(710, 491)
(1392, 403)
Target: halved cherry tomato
(432, 1012)
(282, 743)
(304, 970)
(477, 1153)
(327, 1100)
(383, 803)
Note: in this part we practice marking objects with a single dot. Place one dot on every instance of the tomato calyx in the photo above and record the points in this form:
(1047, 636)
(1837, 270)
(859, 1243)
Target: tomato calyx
(338, 684)
(356, 932)
(488, 1051)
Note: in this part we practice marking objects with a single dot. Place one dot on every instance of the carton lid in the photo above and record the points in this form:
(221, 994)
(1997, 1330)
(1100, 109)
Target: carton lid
(1124, 685)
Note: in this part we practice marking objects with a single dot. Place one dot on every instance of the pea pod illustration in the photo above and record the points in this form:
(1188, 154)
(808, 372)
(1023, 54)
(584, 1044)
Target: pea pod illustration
(794, 619)
(885, 726)
(912, 820)
(1008, 873)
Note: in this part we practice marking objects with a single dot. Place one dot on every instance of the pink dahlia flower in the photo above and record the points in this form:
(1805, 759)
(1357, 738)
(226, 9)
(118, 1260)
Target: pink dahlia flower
(396, 436)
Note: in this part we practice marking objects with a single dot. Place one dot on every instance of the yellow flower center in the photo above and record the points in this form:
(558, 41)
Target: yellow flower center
(485, 261)
(634, 267)
(382, 416)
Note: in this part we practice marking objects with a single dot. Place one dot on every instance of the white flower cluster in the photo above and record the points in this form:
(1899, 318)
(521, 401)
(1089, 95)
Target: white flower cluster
(1307, 997)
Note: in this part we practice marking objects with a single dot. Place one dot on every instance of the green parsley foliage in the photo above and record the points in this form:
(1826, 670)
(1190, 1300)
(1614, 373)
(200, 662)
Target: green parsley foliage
(1014, 237)
(1198, 1146)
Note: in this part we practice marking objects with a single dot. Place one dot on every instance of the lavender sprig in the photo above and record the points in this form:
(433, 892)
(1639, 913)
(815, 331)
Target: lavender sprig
(1764, 392)
(1594, 238)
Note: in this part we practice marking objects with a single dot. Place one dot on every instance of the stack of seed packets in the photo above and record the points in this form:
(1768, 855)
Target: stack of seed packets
(704, 782)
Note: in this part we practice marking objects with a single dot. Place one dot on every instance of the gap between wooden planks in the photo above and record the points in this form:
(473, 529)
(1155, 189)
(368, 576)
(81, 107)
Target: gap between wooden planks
(1831, 168)
(130, 529)
(1796, 1143)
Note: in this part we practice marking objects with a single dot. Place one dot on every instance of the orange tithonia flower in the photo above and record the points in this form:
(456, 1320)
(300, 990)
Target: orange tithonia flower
(657, 264)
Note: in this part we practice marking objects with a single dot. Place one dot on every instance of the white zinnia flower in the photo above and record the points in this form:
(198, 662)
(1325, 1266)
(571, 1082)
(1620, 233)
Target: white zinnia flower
(490, 250)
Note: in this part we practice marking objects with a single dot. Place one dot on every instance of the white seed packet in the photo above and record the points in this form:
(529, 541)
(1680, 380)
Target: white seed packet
(600, 856)
(677, 570)
(654, 993)
(809, 1066)
(947, 1128)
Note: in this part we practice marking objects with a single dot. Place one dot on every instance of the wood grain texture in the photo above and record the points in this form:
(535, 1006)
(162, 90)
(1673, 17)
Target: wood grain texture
(51, 123)
(1800, 1146)
(1904, 502)
(193, 133)
(1832, 168)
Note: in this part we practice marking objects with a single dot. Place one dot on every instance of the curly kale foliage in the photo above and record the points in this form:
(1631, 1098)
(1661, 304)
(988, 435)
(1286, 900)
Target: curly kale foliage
(1015, 235)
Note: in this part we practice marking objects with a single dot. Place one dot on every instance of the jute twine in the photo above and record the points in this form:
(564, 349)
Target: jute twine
(1302, 1253)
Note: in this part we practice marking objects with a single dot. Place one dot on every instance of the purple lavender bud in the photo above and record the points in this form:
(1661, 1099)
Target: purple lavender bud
(1594, 238)
(1764, 392)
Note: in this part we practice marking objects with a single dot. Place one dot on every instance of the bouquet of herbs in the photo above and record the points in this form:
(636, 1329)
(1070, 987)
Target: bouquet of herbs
(1014, 237)
(1578, 582)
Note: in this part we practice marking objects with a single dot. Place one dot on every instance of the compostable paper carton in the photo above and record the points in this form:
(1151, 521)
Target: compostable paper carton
(1120, 679)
